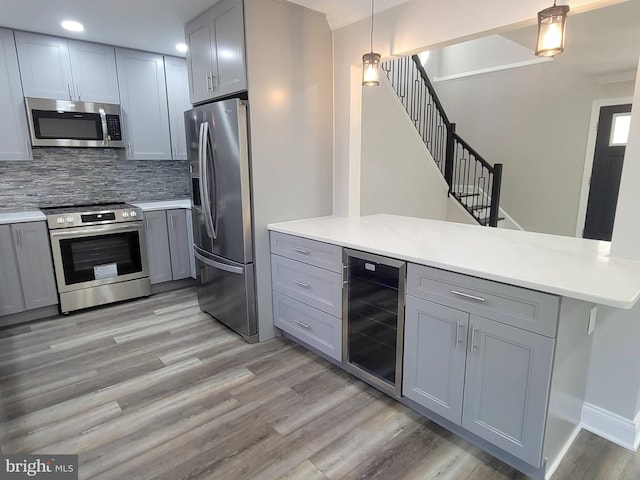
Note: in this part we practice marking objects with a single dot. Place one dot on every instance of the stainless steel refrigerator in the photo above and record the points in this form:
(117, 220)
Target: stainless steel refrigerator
(218, 151)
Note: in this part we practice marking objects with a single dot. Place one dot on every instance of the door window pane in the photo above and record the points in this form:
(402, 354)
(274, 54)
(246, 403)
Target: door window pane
(620, 129)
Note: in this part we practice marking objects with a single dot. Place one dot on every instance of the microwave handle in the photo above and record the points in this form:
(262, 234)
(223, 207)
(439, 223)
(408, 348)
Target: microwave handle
(105, 133)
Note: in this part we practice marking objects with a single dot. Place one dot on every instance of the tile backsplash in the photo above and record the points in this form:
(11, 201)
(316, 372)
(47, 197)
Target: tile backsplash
(63, 176)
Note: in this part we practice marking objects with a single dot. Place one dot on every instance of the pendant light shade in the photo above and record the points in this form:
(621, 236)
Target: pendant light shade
(371, 63)
(551, 28)
(370, 69)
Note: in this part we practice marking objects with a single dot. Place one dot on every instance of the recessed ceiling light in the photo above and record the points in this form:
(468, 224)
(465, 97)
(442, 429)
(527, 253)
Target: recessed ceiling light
(181, 47)
(72, 26)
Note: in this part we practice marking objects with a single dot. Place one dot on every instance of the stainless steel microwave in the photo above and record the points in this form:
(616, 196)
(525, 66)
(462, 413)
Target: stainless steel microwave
(65, 123)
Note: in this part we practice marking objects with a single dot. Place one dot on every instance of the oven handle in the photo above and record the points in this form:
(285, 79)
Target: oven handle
(92, 231)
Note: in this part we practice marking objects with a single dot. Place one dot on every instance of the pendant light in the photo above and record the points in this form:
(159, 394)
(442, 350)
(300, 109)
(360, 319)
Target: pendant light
(551, 27)
(371, 63)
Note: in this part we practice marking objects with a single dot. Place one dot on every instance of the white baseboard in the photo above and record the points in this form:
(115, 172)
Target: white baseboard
(551, 468)
(611, 426)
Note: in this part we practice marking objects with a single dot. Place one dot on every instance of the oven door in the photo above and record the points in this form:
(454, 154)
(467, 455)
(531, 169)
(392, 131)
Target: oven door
(99, 255)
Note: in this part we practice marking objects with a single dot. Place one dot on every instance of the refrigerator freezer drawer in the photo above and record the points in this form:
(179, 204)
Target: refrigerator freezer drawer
(227, 292)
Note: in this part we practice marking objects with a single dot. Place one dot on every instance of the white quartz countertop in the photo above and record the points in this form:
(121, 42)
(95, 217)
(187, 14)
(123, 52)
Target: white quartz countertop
(571, 267)
(19, 217)
(163, 204)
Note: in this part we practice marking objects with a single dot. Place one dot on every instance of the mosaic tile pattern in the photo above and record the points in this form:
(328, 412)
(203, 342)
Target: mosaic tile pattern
(62, 176)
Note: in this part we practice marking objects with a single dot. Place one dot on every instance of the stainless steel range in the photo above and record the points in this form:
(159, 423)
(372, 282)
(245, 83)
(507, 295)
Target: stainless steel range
(99, 254)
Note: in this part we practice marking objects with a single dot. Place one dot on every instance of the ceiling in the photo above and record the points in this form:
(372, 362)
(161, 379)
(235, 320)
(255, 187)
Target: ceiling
(602, 43)
(598, 42)
(152, 25)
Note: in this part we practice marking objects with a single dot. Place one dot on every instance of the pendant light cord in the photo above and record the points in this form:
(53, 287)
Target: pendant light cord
(372, 4)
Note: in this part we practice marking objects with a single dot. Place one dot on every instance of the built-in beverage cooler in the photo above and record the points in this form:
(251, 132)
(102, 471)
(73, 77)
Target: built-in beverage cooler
(374, 319)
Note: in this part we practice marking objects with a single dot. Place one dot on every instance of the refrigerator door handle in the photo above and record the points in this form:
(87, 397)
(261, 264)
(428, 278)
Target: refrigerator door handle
(205, 154)
(220, 265)
(203, 181)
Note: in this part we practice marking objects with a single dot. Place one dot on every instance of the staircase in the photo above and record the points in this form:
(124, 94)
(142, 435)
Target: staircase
(472, 181)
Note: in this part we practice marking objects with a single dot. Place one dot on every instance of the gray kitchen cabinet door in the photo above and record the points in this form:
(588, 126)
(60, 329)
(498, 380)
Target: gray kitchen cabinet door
(199, 58)
(44, 66)
(11, 300)
(143, 96)
(179, 243)
(178, 100)
(507, 387)
(158, 252)
(227, 36)
(31, 242)
(14, 132)
(434, 356)
(93, 67)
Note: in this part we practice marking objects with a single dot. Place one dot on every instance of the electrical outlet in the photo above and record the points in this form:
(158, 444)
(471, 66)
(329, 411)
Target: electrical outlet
(592, 320)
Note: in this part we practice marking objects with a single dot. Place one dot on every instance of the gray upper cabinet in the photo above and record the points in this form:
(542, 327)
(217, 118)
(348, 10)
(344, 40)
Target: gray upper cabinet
(158, 251)
(33, 253)
(94, 72)
(11, 300)
(178, 100)
(143, 97)
(216, 55)
(14, 133)
(58, 68)
(179, 243)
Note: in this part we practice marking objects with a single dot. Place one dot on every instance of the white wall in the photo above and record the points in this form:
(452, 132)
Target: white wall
(408, 28)
(398, 175)
(290, 106)
(535, 121)
(614, 375)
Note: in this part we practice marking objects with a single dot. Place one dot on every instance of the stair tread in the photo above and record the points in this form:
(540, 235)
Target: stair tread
(485, 221)
(464, 195)
(480, 207)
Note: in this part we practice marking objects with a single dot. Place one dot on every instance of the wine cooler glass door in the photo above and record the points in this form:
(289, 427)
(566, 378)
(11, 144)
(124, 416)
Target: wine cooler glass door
(374, 313)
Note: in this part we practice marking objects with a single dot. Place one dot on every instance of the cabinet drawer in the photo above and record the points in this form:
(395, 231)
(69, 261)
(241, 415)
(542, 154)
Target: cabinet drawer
(533, 311)
(308, 251)
(318, 329)
(314, 286)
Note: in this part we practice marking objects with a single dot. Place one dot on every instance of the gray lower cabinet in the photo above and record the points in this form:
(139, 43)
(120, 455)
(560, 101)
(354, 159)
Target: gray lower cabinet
(11, 300)
(179, 243)
(307, 299)
(167, 245)
(491, 378)
(27, 269)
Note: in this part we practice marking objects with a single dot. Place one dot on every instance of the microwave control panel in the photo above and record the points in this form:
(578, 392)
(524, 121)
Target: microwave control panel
(114, 131)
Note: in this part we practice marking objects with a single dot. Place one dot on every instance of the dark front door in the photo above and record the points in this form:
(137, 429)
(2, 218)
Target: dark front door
(606, 173)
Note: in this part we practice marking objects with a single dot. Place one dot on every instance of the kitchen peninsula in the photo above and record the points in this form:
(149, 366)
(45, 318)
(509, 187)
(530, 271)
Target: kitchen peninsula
(497, 328)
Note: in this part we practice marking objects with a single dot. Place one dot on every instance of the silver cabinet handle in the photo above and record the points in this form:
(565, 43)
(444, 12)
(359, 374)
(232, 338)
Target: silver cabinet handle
(129, 149)
(78, 91)
(472, 344)
(470, 297)
(302, 324)
(213, 83)
(302, 284)
(458, 339)
(69, 89)
(171, 222)
(19, 235)
(301, 250)
(28, 150)
(209, 82)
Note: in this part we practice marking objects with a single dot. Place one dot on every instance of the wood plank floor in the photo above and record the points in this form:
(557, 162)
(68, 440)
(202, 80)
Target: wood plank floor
(155, 389)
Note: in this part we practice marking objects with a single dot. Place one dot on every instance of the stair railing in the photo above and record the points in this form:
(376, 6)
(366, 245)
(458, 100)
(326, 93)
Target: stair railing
(472, 181)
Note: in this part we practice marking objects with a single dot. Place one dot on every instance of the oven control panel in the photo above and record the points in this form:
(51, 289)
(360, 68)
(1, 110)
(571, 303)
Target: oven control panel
(80, 219)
